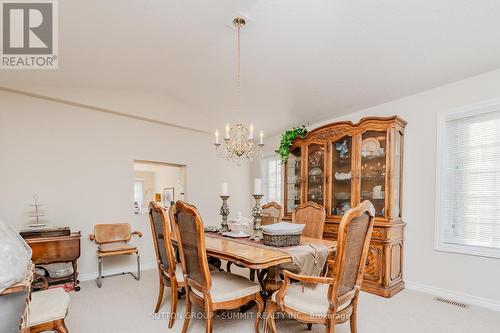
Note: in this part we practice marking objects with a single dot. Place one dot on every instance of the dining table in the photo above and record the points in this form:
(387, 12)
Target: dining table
(255, 255)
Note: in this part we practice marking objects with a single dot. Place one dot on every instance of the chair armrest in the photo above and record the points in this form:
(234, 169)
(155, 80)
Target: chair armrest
(137, 233)
(92, 237)
(287, 276)
(308, 279)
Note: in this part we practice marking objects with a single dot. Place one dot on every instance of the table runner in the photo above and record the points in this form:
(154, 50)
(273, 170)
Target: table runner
(308, 259)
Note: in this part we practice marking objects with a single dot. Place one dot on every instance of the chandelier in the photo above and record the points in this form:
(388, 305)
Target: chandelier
(239, 142)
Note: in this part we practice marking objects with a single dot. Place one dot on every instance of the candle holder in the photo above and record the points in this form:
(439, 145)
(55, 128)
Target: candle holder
(224, 211)
(257, 217)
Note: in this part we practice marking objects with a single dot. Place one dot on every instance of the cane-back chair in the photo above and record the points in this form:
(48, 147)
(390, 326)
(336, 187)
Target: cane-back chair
(272, 212)
(313, 216)
(208, 290)
(169, 271)
(330, 300)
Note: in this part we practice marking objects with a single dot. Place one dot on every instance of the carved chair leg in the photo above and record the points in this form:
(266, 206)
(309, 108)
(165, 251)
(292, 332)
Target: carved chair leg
(330, 325)
(60, 326)
(354, 316)
(210, 320)
(260, 310)
(187, 315)
(173, 304)
(160, 295)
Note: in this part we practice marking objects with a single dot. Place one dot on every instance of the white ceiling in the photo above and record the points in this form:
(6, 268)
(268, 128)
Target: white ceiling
(302, 61)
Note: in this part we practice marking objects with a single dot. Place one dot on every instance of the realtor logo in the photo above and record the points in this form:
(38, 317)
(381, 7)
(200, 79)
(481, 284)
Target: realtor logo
(29, 34)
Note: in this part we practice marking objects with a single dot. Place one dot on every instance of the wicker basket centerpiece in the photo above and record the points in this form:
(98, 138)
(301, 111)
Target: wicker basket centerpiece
(282, 234)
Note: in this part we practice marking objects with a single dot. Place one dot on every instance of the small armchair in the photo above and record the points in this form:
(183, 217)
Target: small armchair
(313, 216)
(170, 272)
(334, 299)
(113, 240)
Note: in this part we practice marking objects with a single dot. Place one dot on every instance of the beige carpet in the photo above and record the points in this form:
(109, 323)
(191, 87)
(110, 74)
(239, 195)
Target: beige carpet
(124, 305)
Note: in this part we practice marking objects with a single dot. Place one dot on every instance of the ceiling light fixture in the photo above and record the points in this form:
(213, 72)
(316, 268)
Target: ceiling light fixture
(239, 139)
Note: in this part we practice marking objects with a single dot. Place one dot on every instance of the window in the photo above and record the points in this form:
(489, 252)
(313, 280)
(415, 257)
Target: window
(271, 178)
(138, 196)
(468, 181)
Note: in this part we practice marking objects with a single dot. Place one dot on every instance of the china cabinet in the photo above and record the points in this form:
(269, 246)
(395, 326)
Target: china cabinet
(341, 164)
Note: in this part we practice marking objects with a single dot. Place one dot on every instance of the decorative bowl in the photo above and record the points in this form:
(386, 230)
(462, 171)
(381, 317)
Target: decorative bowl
(342, 195)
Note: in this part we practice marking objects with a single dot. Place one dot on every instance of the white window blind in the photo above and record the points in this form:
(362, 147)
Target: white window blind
(271, 177)
(469, 193)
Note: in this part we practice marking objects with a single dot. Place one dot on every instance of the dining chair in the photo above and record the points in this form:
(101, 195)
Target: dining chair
(169, 271)
(208, 290)
(113, 240)
(313, 216)
(272, 212)
(330, 300)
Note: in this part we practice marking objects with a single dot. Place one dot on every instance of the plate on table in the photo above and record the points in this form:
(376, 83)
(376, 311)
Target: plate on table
(232, 234)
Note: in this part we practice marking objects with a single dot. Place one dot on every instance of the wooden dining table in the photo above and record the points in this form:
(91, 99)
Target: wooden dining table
(256, 256)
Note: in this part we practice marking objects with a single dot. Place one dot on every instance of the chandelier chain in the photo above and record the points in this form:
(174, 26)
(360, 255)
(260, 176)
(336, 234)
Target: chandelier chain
(238, 81)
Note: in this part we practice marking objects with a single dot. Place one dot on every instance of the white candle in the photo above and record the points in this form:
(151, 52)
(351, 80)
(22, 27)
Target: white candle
(216, 137)
(257, 186)
(261, 137)
(224, 189)
(251, 132)
(227, 131)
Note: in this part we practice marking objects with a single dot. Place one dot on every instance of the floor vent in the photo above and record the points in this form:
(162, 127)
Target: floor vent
(451, 302)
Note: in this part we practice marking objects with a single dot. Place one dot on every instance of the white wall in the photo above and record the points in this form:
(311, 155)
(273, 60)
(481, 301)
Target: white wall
(476, 276)
(80, 162)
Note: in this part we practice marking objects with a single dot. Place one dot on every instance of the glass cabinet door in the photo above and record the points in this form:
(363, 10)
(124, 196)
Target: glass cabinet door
(293, 180)
(342, 175)
(396, 204)
(316, 173)
(373, 169)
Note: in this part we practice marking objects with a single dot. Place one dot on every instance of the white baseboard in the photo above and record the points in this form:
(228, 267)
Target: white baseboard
(453, 295)
(131, 268)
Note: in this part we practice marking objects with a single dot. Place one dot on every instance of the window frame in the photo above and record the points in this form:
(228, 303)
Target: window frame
(265, 179)
(442, 118)
(141, 204)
